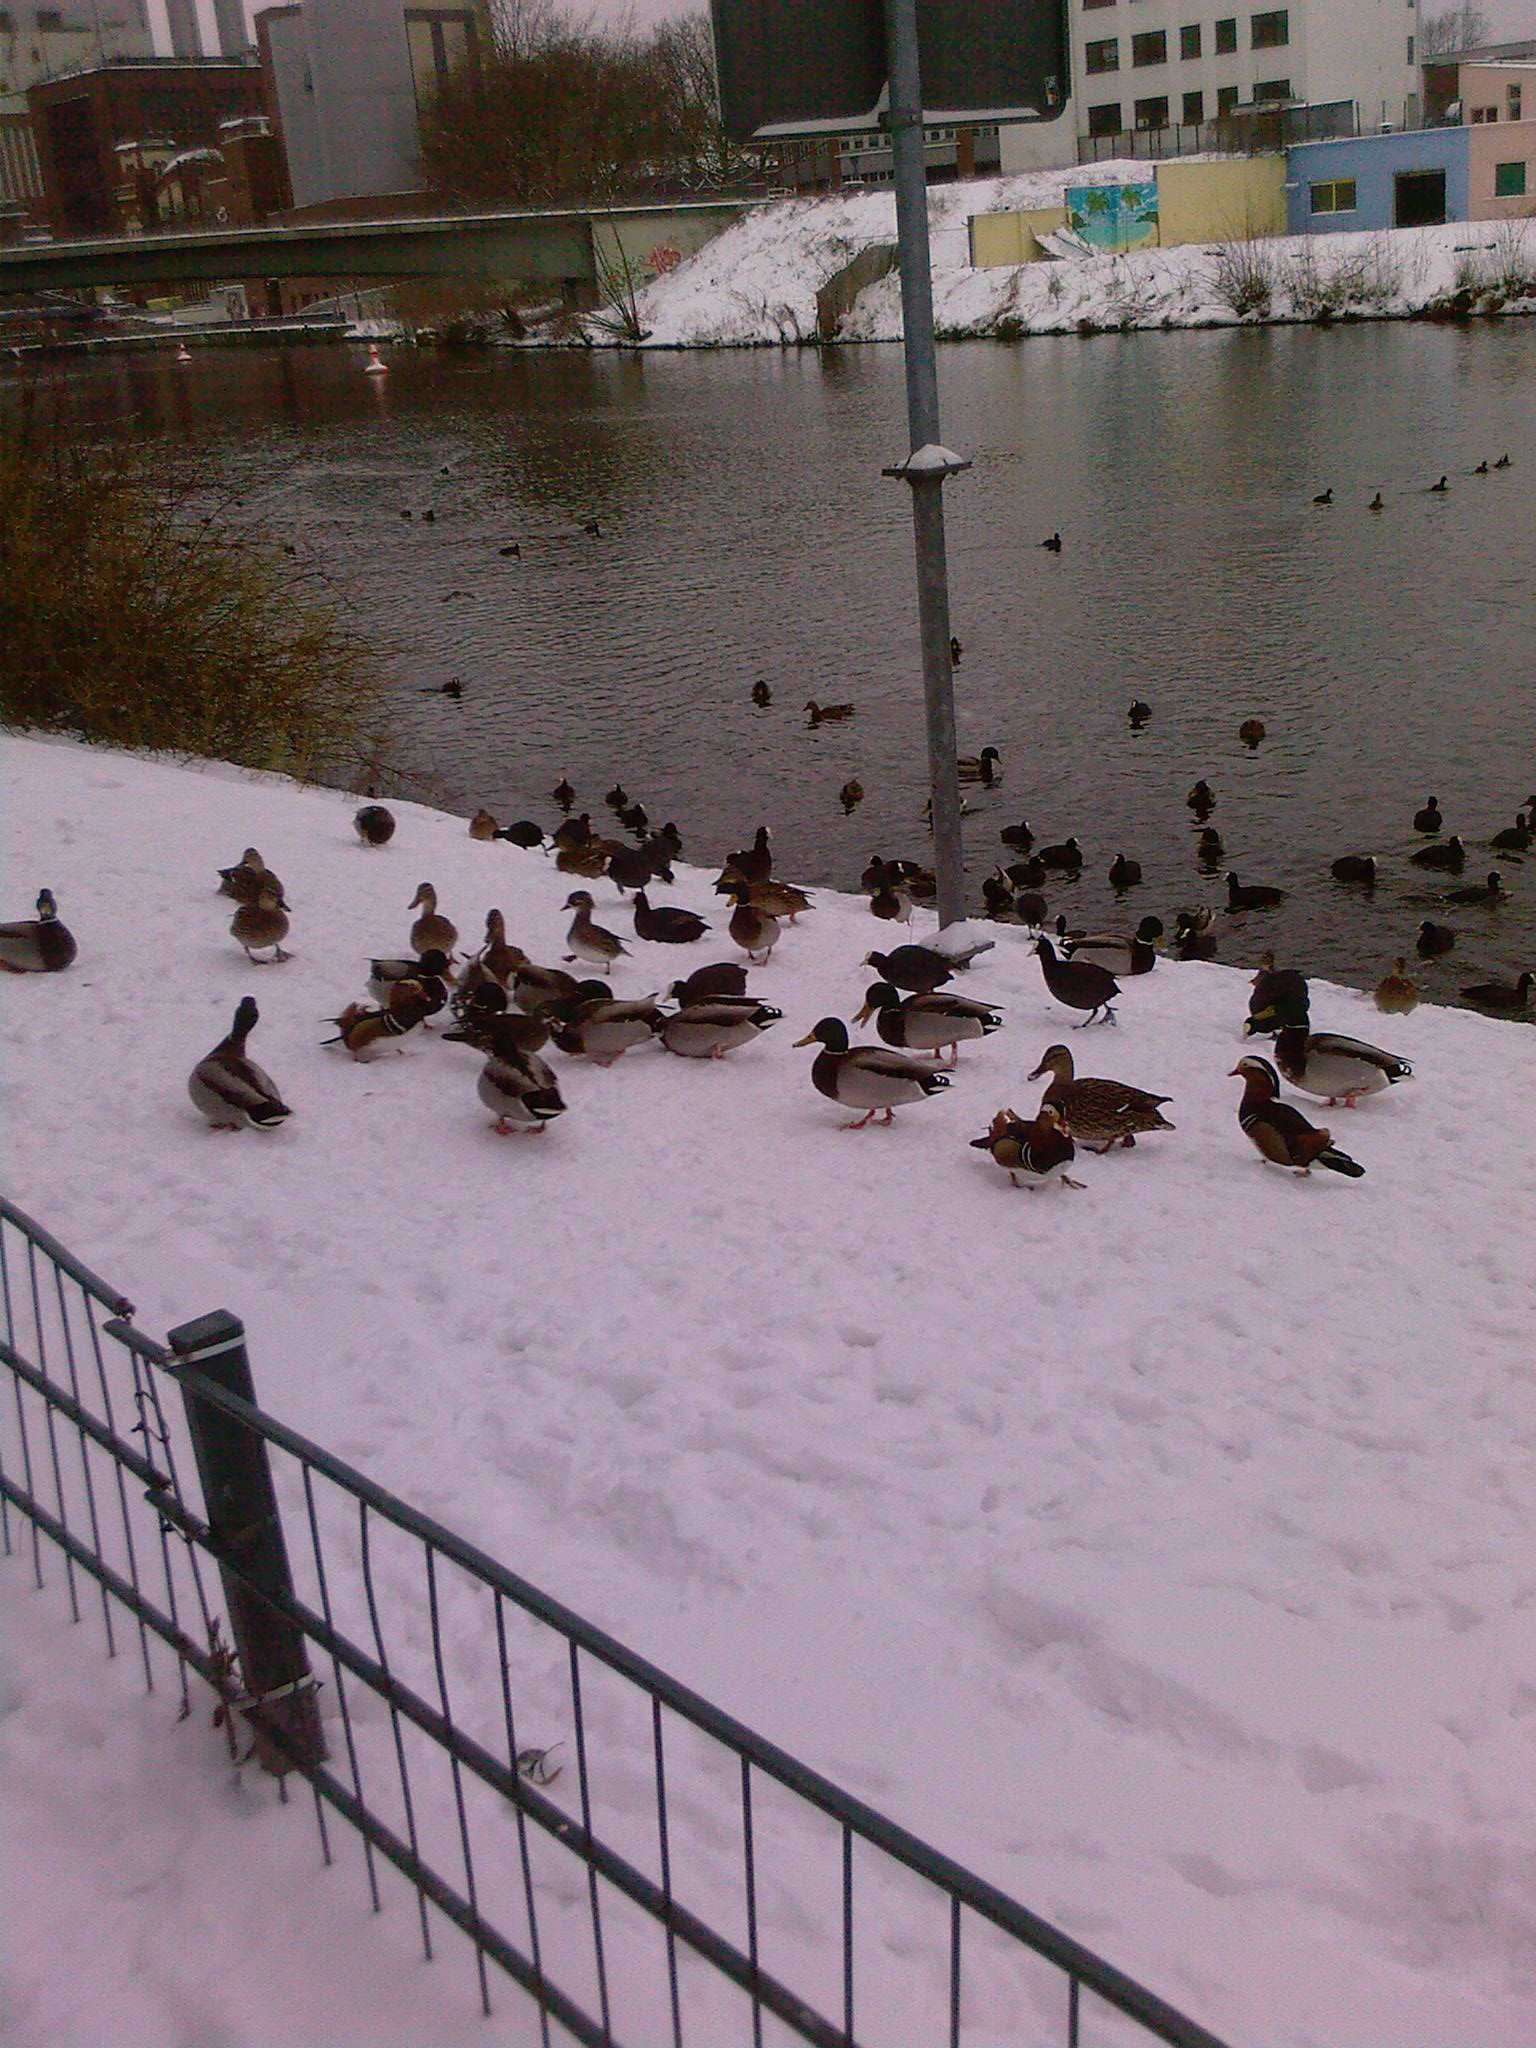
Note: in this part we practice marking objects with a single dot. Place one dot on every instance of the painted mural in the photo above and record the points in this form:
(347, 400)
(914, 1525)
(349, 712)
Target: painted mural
(1114, 218)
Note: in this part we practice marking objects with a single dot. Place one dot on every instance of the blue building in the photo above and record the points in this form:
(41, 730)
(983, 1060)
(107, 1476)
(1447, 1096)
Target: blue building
(1412, 179)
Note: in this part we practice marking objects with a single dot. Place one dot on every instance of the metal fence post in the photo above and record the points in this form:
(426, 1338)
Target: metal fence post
(253, 1558)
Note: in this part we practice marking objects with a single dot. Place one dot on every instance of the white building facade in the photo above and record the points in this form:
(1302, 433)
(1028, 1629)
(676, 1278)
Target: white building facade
(1164, 64)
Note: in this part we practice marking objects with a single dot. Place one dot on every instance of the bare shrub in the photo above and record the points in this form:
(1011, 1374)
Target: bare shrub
(1243, 277)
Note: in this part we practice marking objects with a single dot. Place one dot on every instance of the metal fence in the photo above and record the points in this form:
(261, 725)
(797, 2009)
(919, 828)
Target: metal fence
(1246, 131)
(644, 1868)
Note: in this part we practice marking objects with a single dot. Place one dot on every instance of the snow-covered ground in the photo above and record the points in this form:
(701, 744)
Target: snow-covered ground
(756, 283)
(1161, 1551)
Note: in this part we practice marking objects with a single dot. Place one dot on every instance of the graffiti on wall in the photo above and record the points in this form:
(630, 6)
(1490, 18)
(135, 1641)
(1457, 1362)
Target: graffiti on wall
(1114, 218)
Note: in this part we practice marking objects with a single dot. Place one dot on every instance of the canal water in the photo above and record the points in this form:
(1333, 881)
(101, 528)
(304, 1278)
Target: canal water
(747, 535)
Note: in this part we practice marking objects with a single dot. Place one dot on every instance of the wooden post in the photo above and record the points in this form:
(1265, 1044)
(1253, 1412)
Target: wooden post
(253, 1558)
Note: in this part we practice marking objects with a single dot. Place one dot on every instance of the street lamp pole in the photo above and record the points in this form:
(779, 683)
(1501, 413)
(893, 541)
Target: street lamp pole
(929, 462)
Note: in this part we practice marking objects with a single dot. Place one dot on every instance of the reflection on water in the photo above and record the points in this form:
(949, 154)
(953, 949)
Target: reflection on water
(747, 534)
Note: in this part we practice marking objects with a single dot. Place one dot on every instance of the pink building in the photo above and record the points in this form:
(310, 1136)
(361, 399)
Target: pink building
(1498, 105)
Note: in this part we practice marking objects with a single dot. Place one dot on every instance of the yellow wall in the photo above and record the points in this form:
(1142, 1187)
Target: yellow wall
(1008, 238)
(1220, 202)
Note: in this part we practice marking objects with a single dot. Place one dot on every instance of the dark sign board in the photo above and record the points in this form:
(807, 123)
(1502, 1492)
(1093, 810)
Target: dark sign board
(785, 65)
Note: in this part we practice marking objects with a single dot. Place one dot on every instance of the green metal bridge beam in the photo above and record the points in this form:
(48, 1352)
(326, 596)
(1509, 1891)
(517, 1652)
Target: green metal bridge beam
(527, 247)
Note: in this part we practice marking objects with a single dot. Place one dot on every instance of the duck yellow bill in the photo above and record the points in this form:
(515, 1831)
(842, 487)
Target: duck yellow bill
(809, 1039)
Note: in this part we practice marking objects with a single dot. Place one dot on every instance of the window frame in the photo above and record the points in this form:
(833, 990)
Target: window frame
(1190, 41)
(1149, 49)
(1334, 187)
(1095, 62)
(1282, 41)
(1226, 36)
(1519, 191)
(1096, 125)
(1153, 100)
(1195, 118)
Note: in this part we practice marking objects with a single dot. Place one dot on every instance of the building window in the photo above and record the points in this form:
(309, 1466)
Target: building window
(1226, 99)
(1509, 181)
(1410, 49)
(1226, 36)
(1104, 119)
(1189, 43)
(1271, 31)
(1103, 56)
(1336, 195)
(1194, 109)
(1152, 113)
(1151, 48)
(1088, 5)
(1272, 89)
(1482, 114)
(1514, 103)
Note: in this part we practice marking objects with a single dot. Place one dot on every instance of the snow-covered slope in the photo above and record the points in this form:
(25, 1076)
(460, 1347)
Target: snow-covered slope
(1161, 1550)
(756, 283)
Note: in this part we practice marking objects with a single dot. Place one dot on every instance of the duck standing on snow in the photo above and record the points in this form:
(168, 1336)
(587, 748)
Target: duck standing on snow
(1102, 1114)
(262, 923)
(231, 1091)
(1395, 993)
(1120, 952)
(663, 925)
(374, 825)
(1040, 1149)
(1326, 1064)
(1079, 984)
(592, 1024)
(752, 863)
(918, 969)
(927, 1023)
(244, 880)
(516, 1086)
(430, 972)
(709, 1029)
(37, 945)
(431, 929)
(587, 939)
(750, 928)
(706, 984)
(866, 1077)
(360, 1028)
(1280, 998)
(1280, 1134)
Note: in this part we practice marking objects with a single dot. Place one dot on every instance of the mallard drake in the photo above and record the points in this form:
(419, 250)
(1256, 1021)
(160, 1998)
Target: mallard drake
(1065, 858)
(761, 694)
(1338, 1069)
(1201, 798)
(1193, 940)
(1428, 817)
(1500, 997)
(920, 883)
(588, 940)
(866, 1077)
(262, 923)
(1121, 952)
(1041, 1148)
(475, 1003)
(1491, 891)
(1019, 836)
(664, 925)
(927, 1023)
(244, 880)
(483, 825)
(522, 832)
(374, 825)
(430, 930)
(709, 1030)
(1514, 838)
(37, 945)
(1281, 1134)
(752, 863)
(230, 1090)
(851, 795)
(1280, 999)
(892, 903)
(1451, 855)
(360, 1028)
(592, 1025)
(535, 988)
(1079, 984)
(1139, 713)
(727, 978)
(1251, 732)
(1099, 1114)
(985, 767)
(918, 969)
(752, 929)
(1355, 867)
(563, 794)
(1123, 873)
(1434, 939)
(1252, 895)
(1439, 489)
(1482, 468)
(1395, 993)
(518, 1087)
(821, 714)
(430, 971)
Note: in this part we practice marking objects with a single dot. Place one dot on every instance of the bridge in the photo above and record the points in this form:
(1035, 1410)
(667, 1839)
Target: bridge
(573, 247)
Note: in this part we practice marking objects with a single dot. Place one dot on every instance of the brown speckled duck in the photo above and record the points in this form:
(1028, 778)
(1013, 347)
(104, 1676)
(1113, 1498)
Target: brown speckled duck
(1100, 1114)
(431, 928)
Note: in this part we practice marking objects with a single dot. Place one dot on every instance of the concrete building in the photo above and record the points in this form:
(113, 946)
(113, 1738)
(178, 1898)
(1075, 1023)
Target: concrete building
(1140, 68)
(37, 43)
(348, 82)
(230, 32)
(1378, 181)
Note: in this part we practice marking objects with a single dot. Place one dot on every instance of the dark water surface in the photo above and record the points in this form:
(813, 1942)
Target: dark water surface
(748, 535)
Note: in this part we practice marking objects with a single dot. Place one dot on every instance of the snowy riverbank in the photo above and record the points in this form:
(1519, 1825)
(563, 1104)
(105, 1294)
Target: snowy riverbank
(1161, 1551)
(756, 284)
